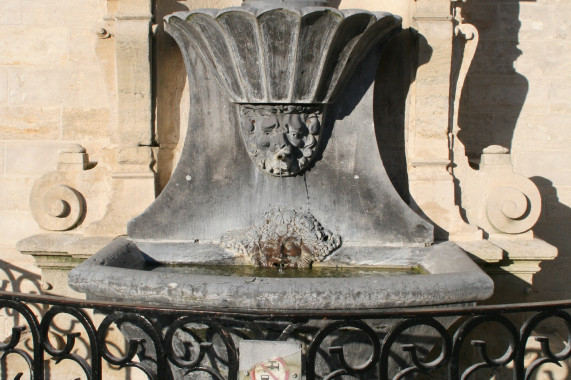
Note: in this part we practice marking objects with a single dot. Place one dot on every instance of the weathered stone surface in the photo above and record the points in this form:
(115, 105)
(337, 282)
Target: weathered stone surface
(133, 78)
(79, 124)
(10, 12)
(559, 95)
(31, 158)
(15, 192)
(2, 153)
(111, 274)
(4, 91)
(82, 41)
(432, 8)
(223, 190)
(540, 131)
(535, 63)
(343, 197)
(562, 21)
(282, 140)
(56, 255)
(16, 225)
(44, 45)
(283, 238)
(530, 163)
(54, 86)
(24, 123)
(527, 21)
(313, 61)
(56, 12)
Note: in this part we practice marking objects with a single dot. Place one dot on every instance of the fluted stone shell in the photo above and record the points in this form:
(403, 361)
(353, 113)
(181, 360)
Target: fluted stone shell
(283, 55)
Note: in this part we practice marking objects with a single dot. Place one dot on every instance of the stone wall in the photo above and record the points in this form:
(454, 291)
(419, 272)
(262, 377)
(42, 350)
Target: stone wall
(55, 89)
(52, 92)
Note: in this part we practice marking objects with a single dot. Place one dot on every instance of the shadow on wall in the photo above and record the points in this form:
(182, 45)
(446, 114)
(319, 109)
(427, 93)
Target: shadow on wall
(494, 93)
(553, 227)
(16, 279)
(395, 75)
(169, 78)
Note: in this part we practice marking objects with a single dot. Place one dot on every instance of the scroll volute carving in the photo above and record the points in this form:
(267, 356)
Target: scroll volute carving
(498, 200)
(58, 199)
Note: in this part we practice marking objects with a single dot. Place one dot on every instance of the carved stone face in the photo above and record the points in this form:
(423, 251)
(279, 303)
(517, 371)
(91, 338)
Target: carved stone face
(281, 140)
(284, 252)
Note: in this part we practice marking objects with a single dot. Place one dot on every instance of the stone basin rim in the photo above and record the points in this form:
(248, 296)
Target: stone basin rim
(112, 275)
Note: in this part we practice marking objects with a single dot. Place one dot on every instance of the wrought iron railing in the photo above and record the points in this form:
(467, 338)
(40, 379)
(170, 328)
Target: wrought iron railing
(165, 343)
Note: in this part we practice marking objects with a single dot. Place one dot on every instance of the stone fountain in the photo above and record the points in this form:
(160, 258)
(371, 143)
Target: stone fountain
(280, 179)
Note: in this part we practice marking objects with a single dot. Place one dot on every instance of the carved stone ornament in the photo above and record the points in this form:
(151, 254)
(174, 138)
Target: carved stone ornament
(283, 238)
(281, 139)
(284, 54)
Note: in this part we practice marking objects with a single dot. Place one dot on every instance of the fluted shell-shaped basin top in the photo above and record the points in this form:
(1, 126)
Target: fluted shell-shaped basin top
(280, 55)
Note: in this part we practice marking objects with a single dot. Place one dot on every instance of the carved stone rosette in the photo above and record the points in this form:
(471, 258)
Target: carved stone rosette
(282, 140)
(283, 238)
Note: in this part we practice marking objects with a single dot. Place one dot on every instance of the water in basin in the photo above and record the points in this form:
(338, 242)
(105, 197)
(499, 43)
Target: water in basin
(317, 272)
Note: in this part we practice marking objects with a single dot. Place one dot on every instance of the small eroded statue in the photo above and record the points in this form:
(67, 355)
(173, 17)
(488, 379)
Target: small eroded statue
(283, 238)
(281, 139)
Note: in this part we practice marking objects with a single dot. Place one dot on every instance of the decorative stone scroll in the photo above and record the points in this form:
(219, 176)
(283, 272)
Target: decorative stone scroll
(283, 238)
(55, 202)
(495, 198)
(281, 139)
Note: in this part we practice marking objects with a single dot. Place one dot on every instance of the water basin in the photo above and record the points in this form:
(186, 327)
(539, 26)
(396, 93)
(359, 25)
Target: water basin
(441, 274)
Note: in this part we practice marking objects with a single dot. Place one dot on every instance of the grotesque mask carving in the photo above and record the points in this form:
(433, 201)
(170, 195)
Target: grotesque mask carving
(281, 140)
(283, 238)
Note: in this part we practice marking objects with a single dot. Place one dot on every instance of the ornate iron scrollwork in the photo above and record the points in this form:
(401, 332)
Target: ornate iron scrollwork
(172, 344)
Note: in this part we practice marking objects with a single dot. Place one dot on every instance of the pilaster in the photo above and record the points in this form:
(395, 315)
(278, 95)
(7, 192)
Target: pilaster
(429, 162)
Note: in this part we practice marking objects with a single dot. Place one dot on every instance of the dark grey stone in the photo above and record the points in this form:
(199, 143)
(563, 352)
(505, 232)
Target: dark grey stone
(116, 273)
(218, 188)
(281, 168)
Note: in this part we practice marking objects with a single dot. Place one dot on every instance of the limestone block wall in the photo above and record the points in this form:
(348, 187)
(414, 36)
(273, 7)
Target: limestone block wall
(52, 92)
(518, 95)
